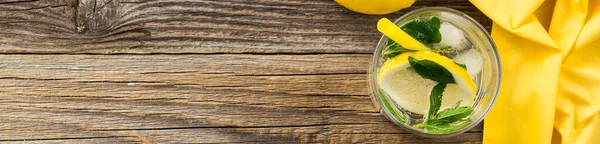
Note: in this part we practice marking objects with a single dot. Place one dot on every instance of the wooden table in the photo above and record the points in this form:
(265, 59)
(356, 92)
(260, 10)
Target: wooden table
(193, 71)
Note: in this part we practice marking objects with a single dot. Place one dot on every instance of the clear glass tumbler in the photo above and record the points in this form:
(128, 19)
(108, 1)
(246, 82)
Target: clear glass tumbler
(488, 80)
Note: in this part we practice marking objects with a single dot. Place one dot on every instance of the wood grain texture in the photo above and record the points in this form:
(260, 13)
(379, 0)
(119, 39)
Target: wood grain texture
(193, 71)
(193, 26)
(214, 98)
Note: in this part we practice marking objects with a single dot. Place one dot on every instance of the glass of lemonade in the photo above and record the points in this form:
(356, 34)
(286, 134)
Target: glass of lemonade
(404, 96)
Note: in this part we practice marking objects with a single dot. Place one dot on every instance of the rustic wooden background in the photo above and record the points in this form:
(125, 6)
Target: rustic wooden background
(193, 71)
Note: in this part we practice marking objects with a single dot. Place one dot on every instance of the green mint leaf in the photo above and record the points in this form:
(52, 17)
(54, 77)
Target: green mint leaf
(394, 49)
(435, 99)
(437, 127)
(389, 107)
(391, 54)
(461, 65)
(435, 22)
(433, 126)
(448, 121)
(425, 31)
(431, 70)
(419, 125)
(458, 104)
(392, 45)
(454, 114)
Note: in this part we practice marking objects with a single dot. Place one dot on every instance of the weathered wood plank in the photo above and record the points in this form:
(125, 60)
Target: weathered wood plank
(193, 26)
(218, 98)
(24, 130)
(211, 71)
(80, 140)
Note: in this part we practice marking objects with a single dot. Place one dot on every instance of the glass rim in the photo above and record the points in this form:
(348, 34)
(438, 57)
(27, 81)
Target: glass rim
(376, 56)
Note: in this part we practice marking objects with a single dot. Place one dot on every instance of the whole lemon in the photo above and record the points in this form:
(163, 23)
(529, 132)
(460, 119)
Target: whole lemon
(375, 7)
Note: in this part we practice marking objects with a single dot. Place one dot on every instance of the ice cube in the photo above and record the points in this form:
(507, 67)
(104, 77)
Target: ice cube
(452, 36)
(472, 59)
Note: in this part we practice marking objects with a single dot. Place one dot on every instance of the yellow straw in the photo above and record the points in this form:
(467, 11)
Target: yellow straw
(394, 32)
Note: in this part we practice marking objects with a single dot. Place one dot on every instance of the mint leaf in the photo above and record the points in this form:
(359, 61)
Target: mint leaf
(389, 107)
(458, 104)
(438, 127)
(448, 121)
(461, 65)
(454, 114)
(394, 49)
(425, 31)
(435, 99)
(436, 23)
(392, 45)
(431, 70)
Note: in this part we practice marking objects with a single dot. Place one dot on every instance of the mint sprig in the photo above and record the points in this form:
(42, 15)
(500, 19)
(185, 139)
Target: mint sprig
(435, 99)
(454, 114)
(437, 127)
(424, 31)
(448, 120)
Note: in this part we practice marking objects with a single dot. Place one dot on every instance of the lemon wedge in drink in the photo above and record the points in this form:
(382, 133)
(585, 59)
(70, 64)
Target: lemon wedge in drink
(411, 91)
(375, 7)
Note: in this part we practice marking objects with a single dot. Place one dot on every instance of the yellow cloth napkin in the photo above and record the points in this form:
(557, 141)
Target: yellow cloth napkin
(550, 53)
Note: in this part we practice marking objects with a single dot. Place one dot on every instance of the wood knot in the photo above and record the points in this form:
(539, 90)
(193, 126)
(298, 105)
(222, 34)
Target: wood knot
(96, 16)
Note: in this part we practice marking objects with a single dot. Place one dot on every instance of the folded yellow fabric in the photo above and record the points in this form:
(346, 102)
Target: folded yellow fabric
(550, 90)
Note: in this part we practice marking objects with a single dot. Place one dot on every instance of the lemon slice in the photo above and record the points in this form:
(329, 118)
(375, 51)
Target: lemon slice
(392, 31)
(411, 91)
(375, 7)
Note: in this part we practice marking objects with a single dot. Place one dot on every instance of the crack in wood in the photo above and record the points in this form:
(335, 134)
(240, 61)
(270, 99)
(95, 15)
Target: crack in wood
(231, 127)
(191, 53)
(40, 79)
(300, 74)
(17, 1)
(37, 8)
(65, 138)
